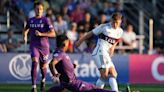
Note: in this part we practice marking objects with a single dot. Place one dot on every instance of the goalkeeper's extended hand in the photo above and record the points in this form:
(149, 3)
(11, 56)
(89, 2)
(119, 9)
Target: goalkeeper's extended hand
(56, 79)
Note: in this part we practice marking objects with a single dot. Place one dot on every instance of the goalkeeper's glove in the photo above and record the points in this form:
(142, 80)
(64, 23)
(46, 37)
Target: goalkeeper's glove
(56, 79)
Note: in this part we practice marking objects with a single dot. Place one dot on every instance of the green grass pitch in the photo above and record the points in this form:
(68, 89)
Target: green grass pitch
(134, 88)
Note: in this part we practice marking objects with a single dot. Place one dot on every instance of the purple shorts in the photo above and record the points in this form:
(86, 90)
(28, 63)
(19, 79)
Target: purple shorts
(40, 53)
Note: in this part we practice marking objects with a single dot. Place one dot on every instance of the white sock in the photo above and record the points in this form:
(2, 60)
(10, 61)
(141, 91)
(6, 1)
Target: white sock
(44, 79)
(33, 86)
(113, 84)
(100, 83)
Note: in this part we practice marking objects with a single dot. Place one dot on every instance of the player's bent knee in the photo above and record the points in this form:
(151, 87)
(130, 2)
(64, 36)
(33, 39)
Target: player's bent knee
(104, 76)
(44, 66)
(114, 75)
(34, 59)
(113, 72)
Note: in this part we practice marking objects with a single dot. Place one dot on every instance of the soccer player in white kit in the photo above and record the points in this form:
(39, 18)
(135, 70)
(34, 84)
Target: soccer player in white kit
(109, 35)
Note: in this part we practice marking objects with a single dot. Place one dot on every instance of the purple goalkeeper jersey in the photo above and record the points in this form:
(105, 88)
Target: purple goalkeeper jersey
(64, 66)
(42, 25)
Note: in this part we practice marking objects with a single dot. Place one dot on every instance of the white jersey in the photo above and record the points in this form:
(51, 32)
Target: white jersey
(107, 37)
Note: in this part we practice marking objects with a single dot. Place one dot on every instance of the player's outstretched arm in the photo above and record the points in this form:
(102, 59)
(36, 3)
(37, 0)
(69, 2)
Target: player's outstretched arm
(88, 35)
(111, 50)
(51, 33)
(25, 33)
(52, 67)
(54, 72)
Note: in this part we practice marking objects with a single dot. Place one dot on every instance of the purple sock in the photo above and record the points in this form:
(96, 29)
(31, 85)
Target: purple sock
(42, 68)
(34, 72)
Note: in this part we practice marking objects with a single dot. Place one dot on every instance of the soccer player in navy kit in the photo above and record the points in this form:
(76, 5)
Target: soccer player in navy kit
(39, 30)
(62, 63)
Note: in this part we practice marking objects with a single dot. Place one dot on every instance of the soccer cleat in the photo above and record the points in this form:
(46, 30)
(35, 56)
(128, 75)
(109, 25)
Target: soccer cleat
(42, 86)
(127, 89)
(34, 90)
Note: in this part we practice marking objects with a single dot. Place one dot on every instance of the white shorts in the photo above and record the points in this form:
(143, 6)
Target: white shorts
(103, 60)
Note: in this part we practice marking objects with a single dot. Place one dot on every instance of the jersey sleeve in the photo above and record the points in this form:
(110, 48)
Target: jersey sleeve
(98, 29)
(57, 56)
(120, 35)
(49, 25)
(28, 24)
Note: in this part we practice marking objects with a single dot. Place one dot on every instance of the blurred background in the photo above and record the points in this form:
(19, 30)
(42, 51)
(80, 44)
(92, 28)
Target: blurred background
(139, 57)
(143, 22)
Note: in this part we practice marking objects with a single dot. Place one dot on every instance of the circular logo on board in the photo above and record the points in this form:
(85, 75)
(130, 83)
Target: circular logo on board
(20, 66)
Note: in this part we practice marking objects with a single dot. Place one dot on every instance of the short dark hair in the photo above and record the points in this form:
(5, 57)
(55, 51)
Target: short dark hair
(116, 16)
(60, 40)
(37, 3)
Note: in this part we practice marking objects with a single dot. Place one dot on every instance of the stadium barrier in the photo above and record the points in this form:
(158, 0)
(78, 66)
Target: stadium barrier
(15, 68)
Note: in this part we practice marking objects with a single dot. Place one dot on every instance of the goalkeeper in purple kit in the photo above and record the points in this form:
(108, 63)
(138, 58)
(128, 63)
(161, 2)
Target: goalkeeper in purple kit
(39, 30)
(61, 62)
